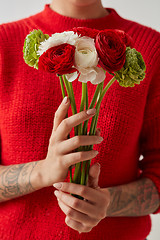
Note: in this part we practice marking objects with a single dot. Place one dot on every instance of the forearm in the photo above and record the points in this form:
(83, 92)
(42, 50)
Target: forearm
(138, 198)
(20, 179)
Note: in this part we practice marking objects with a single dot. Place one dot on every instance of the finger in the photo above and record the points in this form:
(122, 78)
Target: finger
(67, 124)
(86, 192)
(76, 157)
(77, 141)
(94, 173)
(75, 203)
(76, 225)
(61, 112)
(76, 215)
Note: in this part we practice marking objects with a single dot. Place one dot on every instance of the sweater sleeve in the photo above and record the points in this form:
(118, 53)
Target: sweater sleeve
(1, 64)
(0, 90)
(150, 133)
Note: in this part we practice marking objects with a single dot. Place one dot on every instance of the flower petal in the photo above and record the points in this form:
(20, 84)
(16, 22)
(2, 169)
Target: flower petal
(57, 39)
(72, 76)
(94, 75)
(83, 78)
(85, 54)
(99, 76)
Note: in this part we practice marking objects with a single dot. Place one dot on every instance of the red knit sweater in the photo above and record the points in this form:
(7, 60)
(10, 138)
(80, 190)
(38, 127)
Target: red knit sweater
(129, 120)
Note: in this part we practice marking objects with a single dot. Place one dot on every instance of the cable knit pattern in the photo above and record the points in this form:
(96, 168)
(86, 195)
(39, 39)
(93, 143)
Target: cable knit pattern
(129, 119)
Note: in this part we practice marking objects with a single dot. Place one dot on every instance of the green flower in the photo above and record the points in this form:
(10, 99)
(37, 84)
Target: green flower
(133, 70)
(31, 46)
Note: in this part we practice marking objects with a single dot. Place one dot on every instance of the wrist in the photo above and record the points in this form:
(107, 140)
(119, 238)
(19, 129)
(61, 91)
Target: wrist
(108, 199)
(37, 177)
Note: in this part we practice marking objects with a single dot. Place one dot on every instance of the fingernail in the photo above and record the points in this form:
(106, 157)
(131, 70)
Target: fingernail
(56, 193)
(57, 185)
(91, 111)
(96, 152)
(100, 139)
(65, 100)
(98, 164)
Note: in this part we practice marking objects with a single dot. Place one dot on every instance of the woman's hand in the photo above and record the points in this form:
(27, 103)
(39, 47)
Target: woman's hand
(82, 215)
(61, 153)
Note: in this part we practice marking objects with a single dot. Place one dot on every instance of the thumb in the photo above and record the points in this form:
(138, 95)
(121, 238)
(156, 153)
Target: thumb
(93, 177)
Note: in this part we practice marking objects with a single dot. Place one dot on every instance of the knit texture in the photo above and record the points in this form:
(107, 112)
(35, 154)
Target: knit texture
(129, 120)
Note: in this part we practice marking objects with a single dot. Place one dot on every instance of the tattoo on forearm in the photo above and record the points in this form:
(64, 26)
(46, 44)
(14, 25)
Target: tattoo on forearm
(15, 180)
(135, 199)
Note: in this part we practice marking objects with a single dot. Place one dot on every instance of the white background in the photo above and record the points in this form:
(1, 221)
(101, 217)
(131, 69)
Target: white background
(142, 11)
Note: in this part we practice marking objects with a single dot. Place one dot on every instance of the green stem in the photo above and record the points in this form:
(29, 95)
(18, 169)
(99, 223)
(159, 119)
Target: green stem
(91, 147)
(98, 104)
(86, 104)
(95, 119)
(104, 91)
(86, 164)
(77, 173)
(94, 99)
(70, 93)
(83, 100)
(63, 95)
(62, 86)
(84, 133)
(72, 96)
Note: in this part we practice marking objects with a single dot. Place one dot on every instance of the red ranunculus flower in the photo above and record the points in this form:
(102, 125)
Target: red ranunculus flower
(125, 38)
(84, 31)
(111, 50)
(58, 59)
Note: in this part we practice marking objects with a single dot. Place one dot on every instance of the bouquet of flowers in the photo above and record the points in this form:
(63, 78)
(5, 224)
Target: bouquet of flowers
(86, 54)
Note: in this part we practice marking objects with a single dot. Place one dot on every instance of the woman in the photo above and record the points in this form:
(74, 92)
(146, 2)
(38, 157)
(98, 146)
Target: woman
(36, 154)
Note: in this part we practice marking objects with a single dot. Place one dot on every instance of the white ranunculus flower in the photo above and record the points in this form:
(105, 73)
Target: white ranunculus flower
(95, 75)
(86, 61)
(85, 54)
(57, 39)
